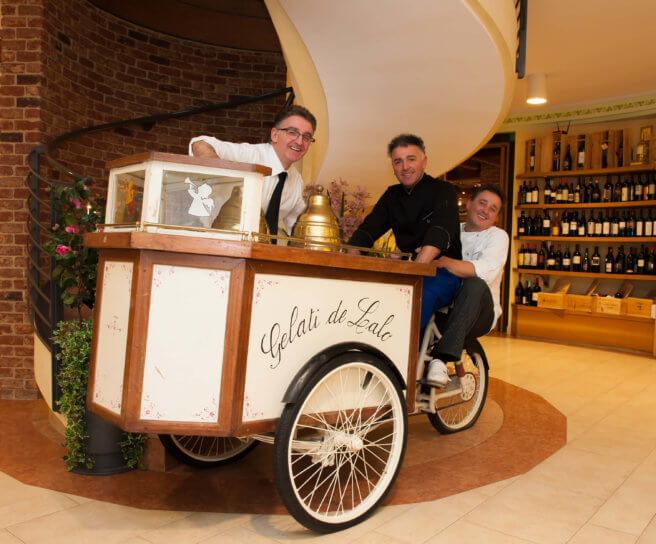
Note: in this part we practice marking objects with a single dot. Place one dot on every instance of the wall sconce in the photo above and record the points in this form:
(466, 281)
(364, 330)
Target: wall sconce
(537, 89)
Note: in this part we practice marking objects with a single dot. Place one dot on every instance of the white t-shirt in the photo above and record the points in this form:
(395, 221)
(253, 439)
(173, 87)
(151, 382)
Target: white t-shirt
(291, 200)
(487, 250)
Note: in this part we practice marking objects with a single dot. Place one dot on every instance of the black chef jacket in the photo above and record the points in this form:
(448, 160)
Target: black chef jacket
(427, 214)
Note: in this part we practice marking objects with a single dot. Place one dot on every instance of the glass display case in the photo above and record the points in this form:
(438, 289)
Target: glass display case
(161, 192)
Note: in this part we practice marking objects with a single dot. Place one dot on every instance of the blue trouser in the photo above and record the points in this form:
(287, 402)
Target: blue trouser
(438, 291)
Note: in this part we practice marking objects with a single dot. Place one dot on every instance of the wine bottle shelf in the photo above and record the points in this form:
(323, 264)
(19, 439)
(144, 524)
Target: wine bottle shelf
(597, 239)
(587, 172)
(573, 206)
(601, 275)
(622, 317)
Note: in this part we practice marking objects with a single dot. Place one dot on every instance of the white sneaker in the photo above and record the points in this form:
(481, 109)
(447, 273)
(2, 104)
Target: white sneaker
(438, 374)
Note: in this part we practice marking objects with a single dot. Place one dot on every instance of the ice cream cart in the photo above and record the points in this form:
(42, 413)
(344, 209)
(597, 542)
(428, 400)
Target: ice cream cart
(215, 339)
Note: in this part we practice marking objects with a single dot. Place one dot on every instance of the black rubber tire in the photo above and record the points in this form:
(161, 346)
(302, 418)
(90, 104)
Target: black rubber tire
(287, 426)
(173, 447)
(437, 420)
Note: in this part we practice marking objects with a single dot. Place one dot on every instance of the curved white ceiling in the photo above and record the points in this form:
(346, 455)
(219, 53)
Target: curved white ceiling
(440, 69)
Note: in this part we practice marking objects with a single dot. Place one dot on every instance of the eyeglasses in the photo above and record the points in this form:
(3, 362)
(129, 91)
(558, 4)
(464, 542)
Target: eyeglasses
(294, 134)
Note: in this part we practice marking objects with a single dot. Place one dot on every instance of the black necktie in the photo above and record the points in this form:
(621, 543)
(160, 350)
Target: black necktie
(273, 211)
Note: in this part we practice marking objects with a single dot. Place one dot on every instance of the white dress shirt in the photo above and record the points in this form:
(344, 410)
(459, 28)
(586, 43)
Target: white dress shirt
(291, 200)
(487, 250)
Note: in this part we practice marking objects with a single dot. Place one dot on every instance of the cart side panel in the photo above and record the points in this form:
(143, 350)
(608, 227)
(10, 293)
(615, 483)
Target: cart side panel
(294, 318)
(184, 350)
(113, 320)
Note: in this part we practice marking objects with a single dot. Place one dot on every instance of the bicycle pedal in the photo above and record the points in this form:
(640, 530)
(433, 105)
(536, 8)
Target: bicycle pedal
(431, 384)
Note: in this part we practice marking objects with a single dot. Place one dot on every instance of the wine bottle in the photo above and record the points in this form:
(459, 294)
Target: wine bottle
(580, 154)
(534, 257)
(595, 262)
(573, 223)
(620, 261)
(519, 293)
(591, 225)
(531, 156)
(649, 225)
(565, 192)
(630, 262)
(520, 256)
(651, 188)
(640, 262)
(521, 224)
(640, 224)
(622, 224)
(596, 192)
(650, 264)
(617, 190)
(567, 159)
(609, 261)
(631, 195)
(585, 262)
(625, 190)
(535, 197)
(567, 260)
(547, 191)
(589, 188)
(570, 194)
(546, 224)
(605, 227)
(559, 259)
(615, 225)
(576, 260)
(551, 259)
(581, 228)
(631, 224)
(555, 225)
(608, 191)
(541, 258)
(559, 192)
(564, 225)
(577, 192)
(555, 163)
(639, 186)
(526, 295)
(620, 149)
(599, 225)
(534, 294)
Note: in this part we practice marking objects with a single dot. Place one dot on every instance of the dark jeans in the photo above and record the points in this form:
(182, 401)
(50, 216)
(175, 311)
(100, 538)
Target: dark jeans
(437, 291)
(471, 316)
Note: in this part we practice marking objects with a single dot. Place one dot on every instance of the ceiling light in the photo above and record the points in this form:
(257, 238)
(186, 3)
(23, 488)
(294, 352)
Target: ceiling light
(537, 89)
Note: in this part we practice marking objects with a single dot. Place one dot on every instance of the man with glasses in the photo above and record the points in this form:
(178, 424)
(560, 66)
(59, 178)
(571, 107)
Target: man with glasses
(290, 139)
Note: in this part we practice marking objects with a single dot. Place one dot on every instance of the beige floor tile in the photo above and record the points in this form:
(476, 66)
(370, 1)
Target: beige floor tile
(92, 522)
(649, 534)
(631, 508)
(534, 510)
(632, 444)
(7, 538)
(287, 529)
(593, 534)
(376, 538)
(429, 518)
(570, 468)
(465, 532)
(238, 535)
(195, 527)
(492, 489)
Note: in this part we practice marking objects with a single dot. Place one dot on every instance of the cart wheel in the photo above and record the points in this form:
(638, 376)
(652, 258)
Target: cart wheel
(339, 447)
(458, 413)
(206, 451)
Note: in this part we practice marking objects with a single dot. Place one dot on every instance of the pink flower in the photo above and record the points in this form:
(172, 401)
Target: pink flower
(85, 188)
(62, 250)
(77, 203)
(55, 226)
(72, 229)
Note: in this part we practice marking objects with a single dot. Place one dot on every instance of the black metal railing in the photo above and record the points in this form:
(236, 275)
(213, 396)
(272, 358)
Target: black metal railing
(44, 296)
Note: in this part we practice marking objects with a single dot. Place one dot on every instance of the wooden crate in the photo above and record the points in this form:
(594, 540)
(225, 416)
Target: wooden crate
(639, 307)
(609, 305)
(553, 301)
(579, 303)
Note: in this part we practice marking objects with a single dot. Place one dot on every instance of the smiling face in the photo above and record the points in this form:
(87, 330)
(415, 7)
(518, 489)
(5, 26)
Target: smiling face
(482, 211)
(408, 163)
(288, 148)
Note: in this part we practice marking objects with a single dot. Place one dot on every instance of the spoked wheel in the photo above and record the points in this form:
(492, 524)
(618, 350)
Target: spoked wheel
(460, 411)
(206, 451)
(339, 447)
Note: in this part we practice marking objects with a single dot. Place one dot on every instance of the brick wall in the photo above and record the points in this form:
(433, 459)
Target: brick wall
(67, 65)
(20, 130)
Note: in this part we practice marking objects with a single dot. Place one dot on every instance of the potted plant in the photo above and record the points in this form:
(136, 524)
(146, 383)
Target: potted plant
(93, 446)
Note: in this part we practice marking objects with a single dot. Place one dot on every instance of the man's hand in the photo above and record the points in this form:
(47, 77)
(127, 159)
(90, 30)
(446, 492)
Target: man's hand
(203, 149)
(353, 252)
(426, 254)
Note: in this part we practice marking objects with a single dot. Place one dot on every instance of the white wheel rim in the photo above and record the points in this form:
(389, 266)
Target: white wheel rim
(342, 460)
(457, 412)
(211, 448)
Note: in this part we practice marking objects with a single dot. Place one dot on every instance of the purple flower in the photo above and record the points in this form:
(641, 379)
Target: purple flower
(77, 203)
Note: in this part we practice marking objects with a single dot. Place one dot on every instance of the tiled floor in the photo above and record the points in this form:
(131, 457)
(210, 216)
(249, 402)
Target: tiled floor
(600, 488)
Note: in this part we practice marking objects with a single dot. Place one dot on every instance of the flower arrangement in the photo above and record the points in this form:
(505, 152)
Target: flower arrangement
(347, 204)
(75, 269)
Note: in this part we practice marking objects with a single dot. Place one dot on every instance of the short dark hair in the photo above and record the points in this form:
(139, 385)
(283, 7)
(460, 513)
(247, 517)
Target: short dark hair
(404, 140)
(488, 187)
(295, 110)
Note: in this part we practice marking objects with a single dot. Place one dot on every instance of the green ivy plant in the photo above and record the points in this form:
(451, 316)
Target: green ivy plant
(75, 274)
